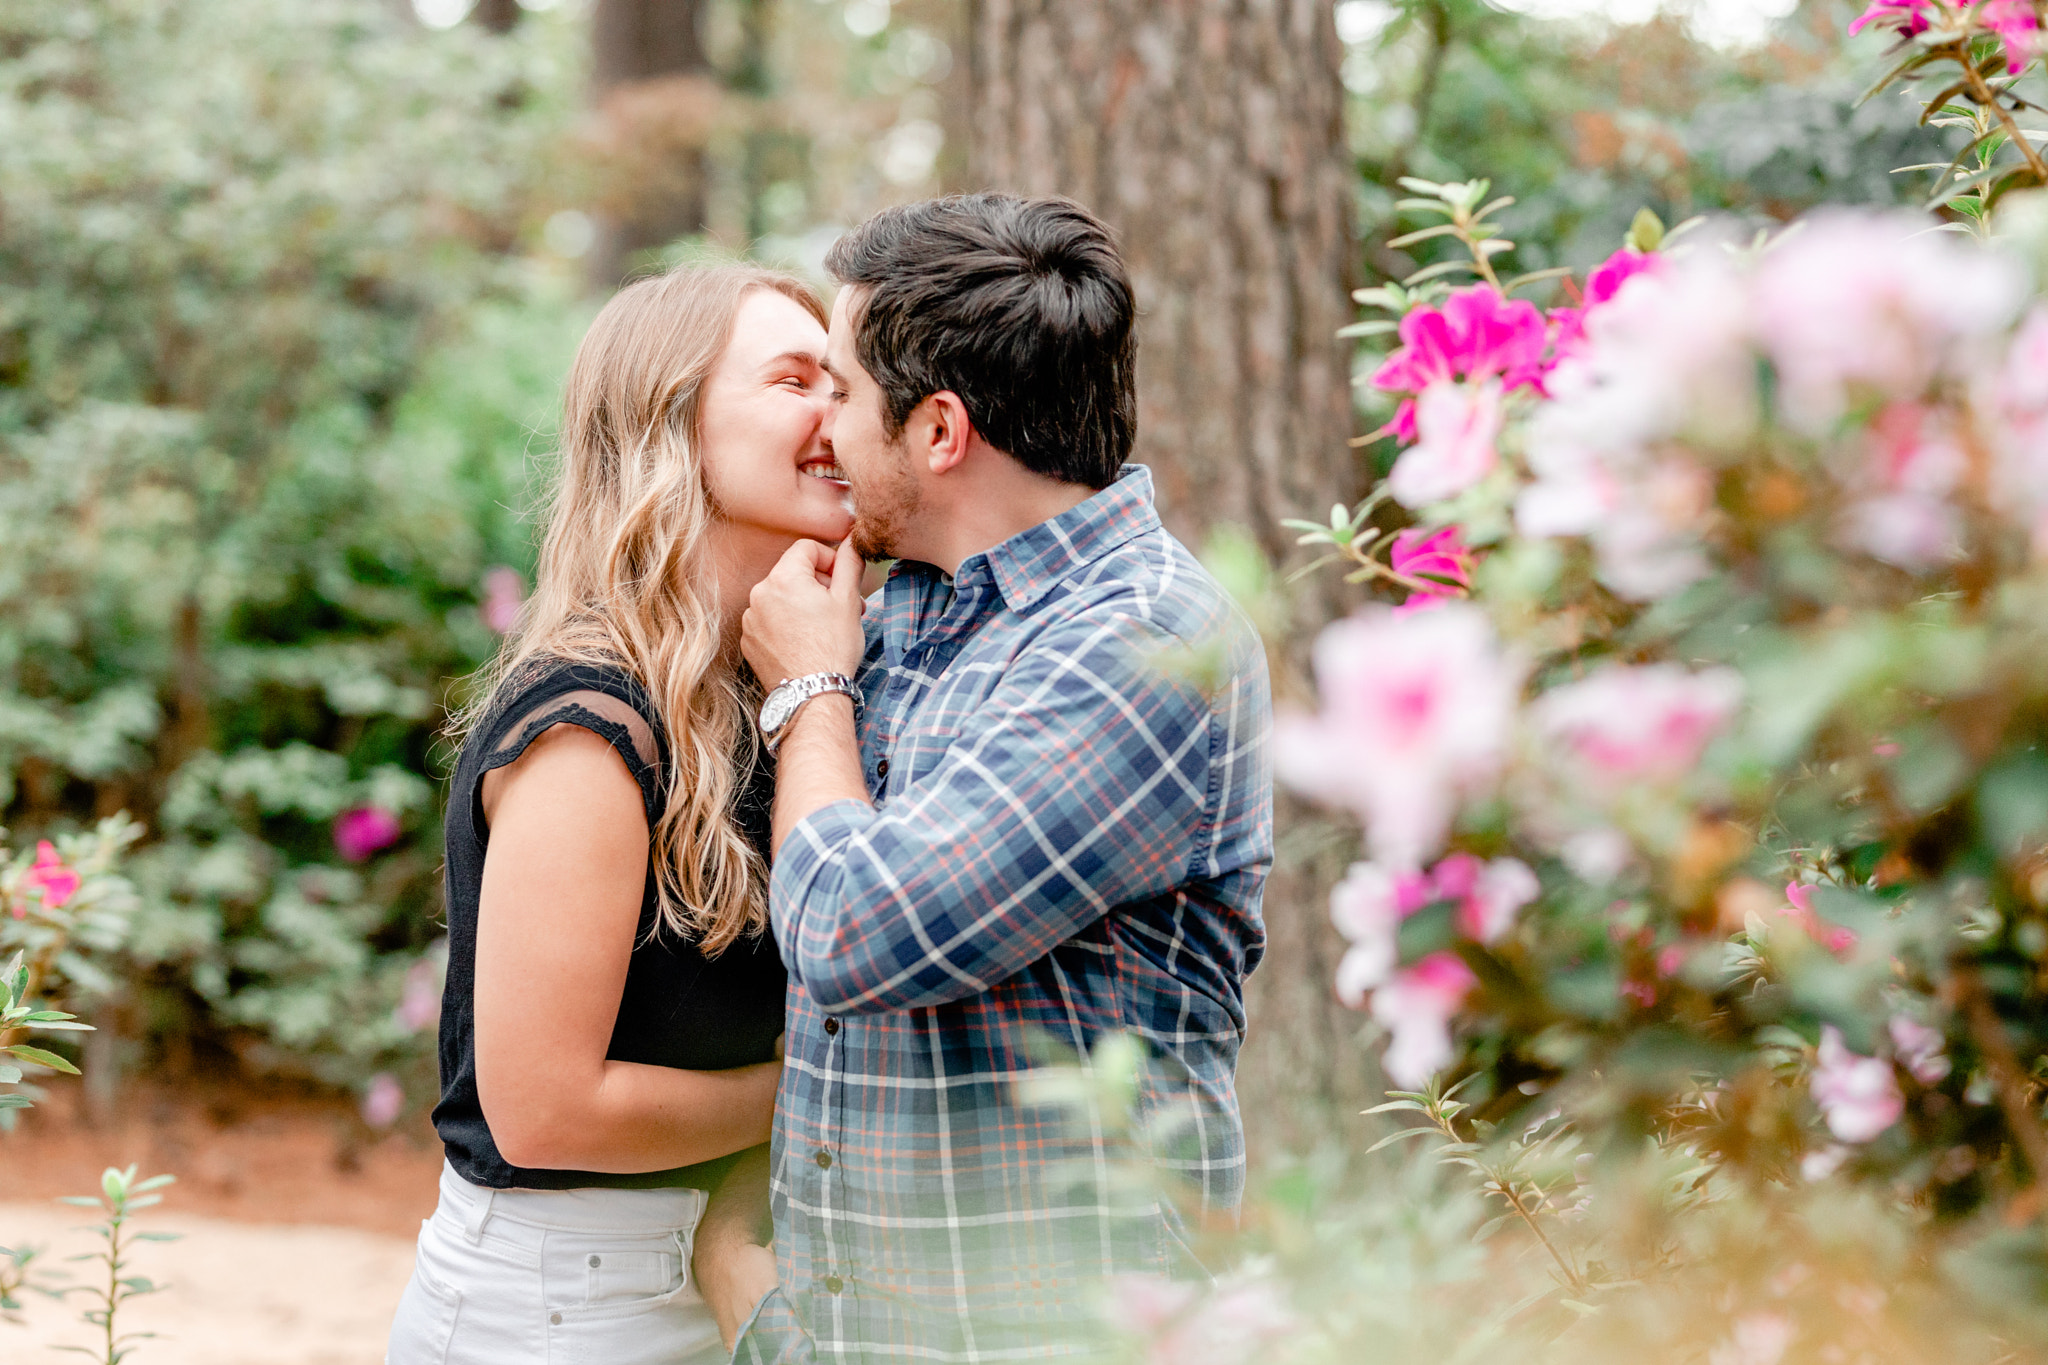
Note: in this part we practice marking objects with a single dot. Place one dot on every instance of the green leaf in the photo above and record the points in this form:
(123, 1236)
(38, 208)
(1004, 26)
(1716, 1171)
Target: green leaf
(41, 1058)
(1376, 327)
(81, 1201)
(1406, 1133)
(155, 1182)
(1441, 268)
(1646, 233)
(9, 1075)
(1556, 272)
(1912, 63)
(1408, 239)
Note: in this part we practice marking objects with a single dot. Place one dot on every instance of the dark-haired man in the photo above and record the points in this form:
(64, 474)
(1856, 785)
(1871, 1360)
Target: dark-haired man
(1036, 823)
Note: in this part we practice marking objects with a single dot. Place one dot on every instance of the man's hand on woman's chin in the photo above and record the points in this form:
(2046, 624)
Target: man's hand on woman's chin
(733, 1276)
(804, 617)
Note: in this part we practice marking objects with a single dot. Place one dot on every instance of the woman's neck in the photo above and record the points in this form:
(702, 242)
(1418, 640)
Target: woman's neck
(740, 557)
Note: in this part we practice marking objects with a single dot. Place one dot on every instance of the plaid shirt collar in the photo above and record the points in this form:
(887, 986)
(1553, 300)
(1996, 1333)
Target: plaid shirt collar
(1032, 563)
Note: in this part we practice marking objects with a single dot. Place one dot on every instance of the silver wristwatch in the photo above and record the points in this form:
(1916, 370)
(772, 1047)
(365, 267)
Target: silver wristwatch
(789, 696)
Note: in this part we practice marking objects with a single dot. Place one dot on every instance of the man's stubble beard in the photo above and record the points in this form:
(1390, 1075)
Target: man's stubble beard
(883, 507)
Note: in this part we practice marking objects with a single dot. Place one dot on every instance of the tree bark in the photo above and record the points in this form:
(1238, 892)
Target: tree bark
(656, 93)
(499, 16)
(1209, 134)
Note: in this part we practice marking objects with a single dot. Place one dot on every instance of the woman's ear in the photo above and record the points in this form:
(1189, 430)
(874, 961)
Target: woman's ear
(942, 431)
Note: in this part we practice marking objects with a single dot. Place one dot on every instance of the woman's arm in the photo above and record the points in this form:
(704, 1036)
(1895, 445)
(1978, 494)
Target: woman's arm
(563, 880)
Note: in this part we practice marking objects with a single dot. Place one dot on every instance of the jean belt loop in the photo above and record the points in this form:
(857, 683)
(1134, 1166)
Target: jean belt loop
(478, 1213)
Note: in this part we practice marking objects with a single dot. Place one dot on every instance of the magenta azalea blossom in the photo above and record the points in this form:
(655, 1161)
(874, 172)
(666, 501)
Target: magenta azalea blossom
(1477, 334)
(1907, 16)
(360, 832)
(1438, 559)
(57, 882)
(1602, 285)
(2017, 26)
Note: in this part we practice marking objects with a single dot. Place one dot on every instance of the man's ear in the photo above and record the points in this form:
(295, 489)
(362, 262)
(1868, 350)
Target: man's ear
(941, 431)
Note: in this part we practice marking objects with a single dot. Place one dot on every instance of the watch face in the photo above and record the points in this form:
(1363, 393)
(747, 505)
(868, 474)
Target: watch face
(776, 709)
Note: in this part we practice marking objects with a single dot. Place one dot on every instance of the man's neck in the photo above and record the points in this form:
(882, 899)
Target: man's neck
(1004, 500)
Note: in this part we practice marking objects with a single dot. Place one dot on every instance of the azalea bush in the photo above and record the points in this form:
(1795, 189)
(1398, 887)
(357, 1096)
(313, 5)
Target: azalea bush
(270, 363)
(1699, 759)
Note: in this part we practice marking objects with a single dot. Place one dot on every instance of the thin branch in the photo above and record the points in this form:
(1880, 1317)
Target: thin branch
(1985, 96)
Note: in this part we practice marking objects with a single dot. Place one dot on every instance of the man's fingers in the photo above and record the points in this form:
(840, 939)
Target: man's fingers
(846, 571)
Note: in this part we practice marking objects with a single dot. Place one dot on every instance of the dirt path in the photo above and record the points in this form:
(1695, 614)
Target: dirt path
(239, 1293)
(298, 1223)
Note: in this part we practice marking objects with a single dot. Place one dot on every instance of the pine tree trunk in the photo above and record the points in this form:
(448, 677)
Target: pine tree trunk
(656, 93)
(1209, 133)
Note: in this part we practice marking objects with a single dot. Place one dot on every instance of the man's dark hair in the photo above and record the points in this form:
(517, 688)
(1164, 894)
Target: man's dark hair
(1022, 307)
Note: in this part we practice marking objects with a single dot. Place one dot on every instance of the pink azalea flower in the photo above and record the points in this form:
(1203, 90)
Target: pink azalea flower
(1907, 16)
(2018, 397)
(49, 875)
(1416, 712)
(419, 1001)
(1640, 724)
(504, 598)
(1919, 1049)
(1430, 556)
(1457, 428)
(1489, 895)
(1913, 465)
(1369, 904)
(1476, 335)
(364, 830)
(1417, 1007)
(383, 1101)
(1873, 303)
(1836, 938)
(1858, 1096)
(1229, 1323)
(1367, 907)
(2017, 26)
(1758, 1339)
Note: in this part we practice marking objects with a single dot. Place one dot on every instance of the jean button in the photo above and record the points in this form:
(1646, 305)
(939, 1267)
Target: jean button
(554, 1319)
(596, 1261)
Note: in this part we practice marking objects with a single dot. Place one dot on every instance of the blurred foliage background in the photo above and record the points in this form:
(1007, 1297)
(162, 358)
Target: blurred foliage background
(287, 288)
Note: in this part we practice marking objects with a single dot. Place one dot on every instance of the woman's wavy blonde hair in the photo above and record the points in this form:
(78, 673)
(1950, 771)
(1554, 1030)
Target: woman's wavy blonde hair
(625, 577)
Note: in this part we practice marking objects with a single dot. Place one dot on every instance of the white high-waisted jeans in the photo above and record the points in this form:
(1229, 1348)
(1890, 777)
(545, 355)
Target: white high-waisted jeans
(555, 1277)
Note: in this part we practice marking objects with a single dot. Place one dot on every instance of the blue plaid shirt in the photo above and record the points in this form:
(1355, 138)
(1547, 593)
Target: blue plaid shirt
(1067, 749)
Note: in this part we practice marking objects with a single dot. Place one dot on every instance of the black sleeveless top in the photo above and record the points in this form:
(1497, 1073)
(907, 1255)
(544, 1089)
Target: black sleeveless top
(679, 1008)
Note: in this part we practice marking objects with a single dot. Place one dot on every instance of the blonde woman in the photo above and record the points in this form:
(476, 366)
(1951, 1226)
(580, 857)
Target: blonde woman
(609, 1033)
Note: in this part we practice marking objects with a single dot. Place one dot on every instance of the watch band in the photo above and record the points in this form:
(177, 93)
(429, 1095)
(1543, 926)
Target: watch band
(779, 708)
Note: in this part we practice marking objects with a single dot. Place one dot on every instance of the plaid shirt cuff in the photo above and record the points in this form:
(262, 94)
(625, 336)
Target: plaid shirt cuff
(803, 856)
(773, 1336)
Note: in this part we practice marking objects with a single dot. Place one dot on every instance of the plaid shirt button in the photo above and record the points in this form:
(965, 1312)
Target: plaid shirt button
(824, 1160)
(833, 1284)
(831, 1027)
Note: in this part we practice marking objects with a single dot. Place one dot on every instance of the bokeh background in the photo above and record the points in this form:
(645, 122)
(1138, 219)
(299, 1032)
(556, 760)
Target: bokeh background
(287, 290)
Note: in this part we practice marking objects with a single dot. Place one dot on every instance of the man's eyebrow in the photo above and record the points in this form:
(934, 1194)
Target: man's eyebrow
(837, 378)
